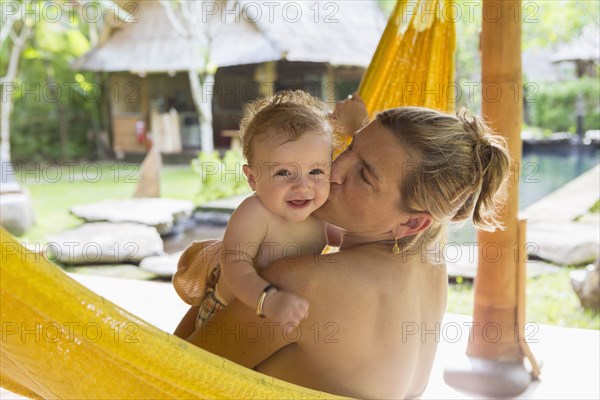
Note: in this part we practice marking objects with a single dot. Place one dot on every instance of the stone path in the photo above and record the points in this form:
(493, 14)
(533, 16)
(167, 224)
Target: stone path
(224, 205)
(162, 214)
(569, 202)
(561, 226)
(105, 243)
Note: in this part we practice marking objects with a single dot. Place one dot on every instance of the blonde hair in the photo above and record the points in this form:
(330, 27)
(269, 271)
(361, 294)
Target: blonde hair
(288, 115)
(461, 169)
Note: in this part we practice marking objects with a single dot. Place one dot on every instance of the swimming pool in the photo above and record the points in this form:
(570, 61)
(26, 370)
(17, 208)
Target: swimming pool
(544, 169)
(547, 168)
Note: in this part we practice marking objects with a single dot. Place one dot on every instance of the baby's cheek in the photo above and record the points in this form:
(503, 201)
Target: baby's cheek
(324, 191)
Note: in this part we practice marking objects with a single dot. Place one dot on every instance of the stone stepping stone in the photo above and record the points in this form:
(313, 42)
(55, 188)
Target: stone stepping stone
(564, 243)
(105, 243)
(586, 283)
(161, 214)
(16, 211)
(227, 205)
(568, 202)
(163, 266)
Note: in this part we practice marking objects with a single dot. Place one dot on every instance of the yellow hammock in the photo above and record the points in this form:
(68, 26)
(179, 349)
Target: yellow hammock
(414, 61)
(61, 340)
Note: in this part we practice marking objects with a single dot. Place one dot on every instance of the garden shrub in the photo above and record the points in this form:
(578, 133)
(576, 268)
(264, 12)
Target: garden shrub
(553, 106)
(220, 177)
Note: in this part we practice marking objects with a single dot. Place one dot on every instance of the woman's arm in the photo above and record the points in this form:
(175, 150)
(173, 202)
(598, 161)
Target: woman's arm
(239, 335)
(187, 325)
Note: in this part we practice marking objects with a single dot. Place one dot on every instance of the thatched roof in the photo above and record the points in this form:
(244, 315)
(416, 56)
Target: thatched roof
(586, 47)
(340, 33)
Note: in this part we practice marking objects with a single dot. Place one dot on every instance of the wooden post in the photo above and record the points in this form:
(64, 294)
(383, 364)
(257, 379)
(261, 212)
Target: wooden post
(265, 75)
(495, 352)
(502, 107)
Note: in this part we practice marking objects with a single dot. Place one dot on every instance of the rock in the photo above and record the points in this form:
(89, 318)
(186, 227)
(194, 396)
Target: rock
(593, 136)
(16, 211)
(227, 205)
(586, 284)
(564, 243)
(567, 203)
(163, 266)
(105, 243)
(159, 213)
(211, 218)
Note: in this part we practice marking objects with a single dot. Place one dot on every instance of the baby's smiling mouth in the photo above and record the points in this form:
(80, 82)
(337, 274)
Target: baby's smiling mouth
(298, 203)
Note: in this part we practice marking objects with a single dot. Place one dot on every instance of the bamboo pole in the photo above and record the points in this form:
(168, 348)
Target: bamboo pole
(496, 348)
(495, 309)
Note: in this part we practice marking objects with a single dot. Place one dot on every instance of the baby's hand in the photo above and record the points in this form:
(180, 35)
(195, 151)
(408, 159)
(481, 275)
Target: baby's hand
(285, 307)
(351, 113)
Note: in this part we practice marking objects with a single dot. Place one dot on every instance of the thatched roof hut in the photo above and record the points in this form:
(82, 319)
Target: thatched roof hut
(241, 32)
(584, 51)
(322, 47)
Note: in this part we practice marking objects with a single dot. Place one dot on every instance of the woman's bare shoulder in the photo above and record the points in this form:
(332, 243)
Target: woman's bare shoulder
(356, 267)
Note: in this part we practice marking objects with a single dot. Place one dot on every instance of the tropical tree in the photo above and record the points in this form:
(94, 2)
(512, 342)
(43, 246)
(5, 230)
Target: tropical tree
(545, 24)
(185, 18)
(15, 31)
(46, 36)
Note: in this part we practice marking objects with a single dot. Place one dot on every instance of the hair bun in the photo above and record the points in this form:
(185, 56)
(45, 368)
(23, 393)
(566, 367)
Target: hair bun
(474, 126)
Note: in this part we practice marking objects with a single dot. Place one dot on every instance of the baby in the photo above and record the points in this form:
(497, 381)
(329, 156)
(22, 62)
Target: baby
(287, 142)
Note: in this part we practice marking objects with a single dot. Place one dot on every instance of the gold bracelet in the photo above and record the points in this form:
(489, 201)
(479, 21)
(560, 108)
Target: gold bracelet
(261, 299)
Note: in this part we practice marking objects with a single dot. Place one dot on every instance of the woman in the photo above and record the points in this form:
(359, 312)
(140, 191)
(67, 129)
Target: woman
(376, 304)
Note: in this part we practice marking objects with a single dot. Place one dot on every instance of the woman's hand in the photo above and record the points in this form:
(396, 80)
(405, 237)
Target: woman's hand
(285, 308)
(351, 114)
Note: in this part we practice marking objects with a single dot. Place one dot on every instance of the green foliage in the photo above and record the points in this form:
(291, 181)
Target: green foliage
(547, 23)
(38, 110)
(220, 178)
(49, 100)
(55, 189)
(550, 300)
(553, 106)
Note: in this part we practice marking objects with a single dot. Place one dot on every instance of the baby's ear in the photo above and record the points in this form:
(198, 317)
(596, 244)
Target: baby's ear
(250, 173)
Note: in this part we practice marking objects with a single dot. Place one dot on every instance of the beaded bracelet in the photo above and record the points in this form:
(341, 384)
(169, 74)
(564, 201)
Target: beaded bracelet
(261, 299)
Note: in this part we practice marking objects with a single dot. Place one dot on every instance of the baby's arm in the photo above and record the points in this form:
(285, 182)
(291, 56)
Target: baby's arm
(243, 237)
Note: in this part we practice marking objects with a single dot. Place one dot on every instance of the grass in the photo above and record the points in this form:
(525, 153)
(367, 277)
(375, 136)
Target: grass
(550, 298)
(89, 183)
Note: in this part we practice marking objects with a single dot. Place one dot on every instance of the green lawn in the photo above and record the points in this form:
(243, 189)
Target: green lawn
(550, 299)
(88, 183)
